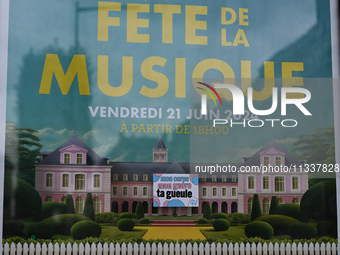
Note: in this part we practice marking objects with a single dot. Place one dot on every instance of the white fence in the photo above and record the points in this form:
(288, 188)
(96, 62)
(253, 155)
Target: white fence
(157, 249)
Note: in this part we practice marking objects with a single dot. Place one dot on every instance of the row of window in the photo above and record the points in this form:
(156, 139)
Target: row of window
(214, 178)
(79, 181)
(135, 177)
(214, 192)
(79, 203)
(279, 183)
(266, 204)
(134, 191)
(278, 161)
(79, 158)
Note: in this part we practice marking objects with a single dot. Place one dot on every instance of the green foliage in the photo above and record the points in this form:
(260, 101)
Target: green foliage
(84, 229)
(273, 204)
(88, 208)
(221, 225)
(50, 209)
(280, 223)
(125, 224)
(303, 231)
(70, 205)
(259, 229)
(238, 218)
(21, 199)
(291, 210)
(327, 228)
(39, 230)
(203, 221)
(144, 221)
(319, 201)
(107, 217)
(219, 216)
(207, 212)
(140, 210)
(63, 222)
(256, 208)
(13, 227)
(128, 215)
(22, 151)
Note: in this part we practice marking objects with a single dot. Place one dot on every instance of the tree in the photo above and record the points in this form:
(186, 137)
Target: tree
(273, 205)
(140, 210)
(88, 208)
(256, 208)
(70, 205)
(207, 212)
(22, 151)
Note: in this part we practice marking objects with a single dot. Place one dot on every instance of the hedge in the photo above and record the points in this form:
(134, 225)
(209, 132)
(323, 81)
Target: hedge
(238, 218)
(203, 221)
(207, 210)
(88, 208)
(107, 217)
(327, 228)
(219, 216)
(63, 222)
(140, 210)
(13, 227)
(291, 210)
(144, 221)
(280, 223)
(303, 230)
(39, 230)
(256, 208)
(221, 225)
(86, 228)
(259, 229)
(128, 215)
(125, 224)
(50, 209)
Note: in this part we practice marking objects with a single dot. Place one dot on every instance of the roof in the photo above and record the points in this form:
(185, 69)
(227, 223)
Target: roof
(160, 144)
(92, 158)
(289, 158)
(175, 168)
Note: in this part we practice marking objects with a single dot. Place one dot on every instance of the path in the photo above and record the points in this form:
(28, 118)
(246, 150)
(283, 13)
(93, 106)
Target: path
(173, 223)
(173, 233)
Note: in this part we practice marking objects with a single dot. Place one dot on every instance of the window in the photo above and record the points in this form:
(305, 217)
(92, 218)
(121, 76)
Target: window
(233, 192)
(49, 180)
(249, 205)
(125, 177)
(67, 158)
(265, 182)
(214, 178)
(80, 182)
(233, 178)
(204, 178)
(79, 159)
(224, 192)
(266, 161)
(295, 183)
(96, 181)
(135, 191)
(63, 200)
(48, 199)
(125, 191)
(114, 191)
(204, 192)
(280, 201)
(265, 206)
(214, 192)
(278, 161)
(97, 205)
(66, 180)
(279, 184)
(251, 182)
(135, 177)
(145, 191)
(115, 177)
(79, 205)
(145, 177)
(296, 201)
(224, 178)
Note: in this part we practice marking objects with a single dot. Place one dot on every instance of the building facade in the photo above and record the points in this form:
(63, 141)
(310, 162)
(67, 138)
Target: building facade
(74, 168)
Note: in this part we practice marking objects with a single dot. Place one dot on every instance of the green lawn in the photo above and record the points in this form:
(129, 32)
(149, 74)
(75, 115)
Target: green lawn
(234, 232)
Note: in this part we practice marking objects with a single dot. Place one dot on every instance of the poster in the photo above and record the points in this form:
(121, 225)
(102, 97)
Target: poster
(101, 95)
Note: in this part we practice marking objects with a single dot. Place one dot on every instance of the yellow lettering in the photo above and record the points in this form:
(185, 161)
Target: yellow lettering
(180, 88)
(242, 17)
(224, 20)
(104, 20)
(241, 38)
(288, 80)
(133, 23)
(191, 24)
(224, 37)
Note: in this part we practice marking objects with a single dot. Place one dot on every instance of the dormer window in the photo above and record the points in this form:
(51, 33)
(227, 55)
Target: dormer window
(266, 161)
(278, 161)
(125, 177)
(67, 158)
(135, 177)
(145, 177)
(79, 159)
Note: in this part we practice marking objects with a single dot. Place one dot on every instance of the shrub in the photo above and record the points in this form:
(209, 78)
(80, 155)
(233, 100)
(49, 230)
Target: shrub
(203, 221)
(256, 208)
(63, 222)
(107, 217)
(125, 224)
(140, 210)
(291, 210)
(13, 227)
(207, 210)
(86, 228)
(21, 199)
(221, 225)
(280, 223)
(259, 229)
(238, 218)
(69, 205)
(88, 208)
(319, 202)
(302, 231)
(41, 230)
(50, 209)
(273, 205)
(327, 228)
(219, 216)
(144, 221)
(128, 215)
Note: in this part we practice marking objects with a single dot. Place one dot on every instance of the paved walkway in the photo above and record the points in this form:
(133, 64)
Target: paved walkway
(173, 233)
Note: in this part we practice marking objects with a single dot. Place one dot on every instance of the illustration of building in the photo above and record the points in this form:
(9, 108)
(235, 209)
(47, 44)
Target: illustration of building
(74, 168)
